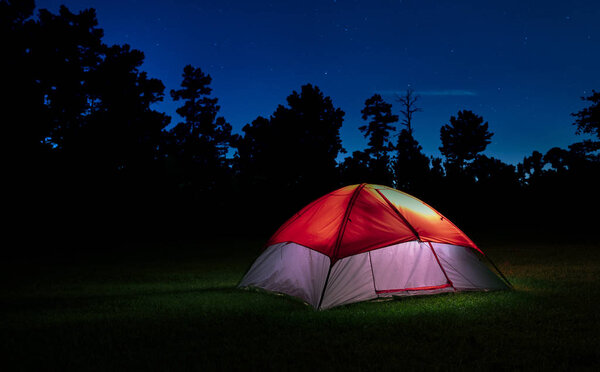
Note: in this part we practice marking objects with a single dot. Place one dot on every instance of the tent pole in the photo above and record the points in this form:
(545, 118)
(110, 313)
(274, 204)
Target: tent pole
(499, 272)
(324, 287)
(338, 241)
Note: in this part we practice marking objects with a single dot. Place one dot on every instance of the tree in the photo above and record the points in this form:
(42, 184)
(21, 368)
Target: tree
(409, 107)
(356, 169)
(377, 131)
(13, 13)
(380, 114)
(201, 142)
(82, 132)
(51, 58)
(22, 101)
(579, 163)
(77, 101)
(465, 137)
(558, 159)
(309, 130)
(437, 169)
(531, 169)
(294, 151)
(252, 163)
(68, 49)
(493, 174)
(588, 119)
(411, 166)
(121, 133)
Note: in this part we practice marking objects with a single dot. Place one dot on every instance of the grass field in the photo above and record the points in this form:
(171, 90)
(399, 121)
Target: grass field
(176, 307)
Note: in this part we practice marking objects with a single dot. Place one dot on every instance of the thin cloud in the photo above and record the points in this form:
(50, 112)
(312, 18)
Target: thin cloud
(447, 92)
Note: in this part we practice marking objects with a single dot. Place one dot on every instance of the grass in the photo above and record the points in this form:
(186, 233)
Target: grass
(176, 307)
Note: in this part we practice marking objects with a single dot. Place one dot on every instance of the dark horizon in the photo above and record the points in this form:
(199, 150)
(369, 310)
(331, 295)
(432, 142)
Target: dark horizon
(521, 66)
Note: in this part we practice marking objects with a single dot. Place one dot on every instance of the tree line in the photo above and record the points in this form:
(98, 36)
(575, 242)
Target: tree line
(90, 160)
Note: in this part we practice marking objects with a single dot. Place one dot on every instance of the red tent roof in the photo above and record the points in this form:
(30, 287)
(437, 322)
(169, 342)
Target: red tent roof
(360, 218)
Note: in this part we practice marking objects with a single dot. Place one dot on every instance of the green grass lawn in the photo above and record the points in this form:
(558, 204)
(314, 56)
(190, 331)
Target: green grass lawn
(176, 307)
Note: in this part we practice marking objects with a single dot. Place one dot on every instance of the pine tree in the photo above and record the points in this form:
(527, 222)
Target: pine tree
(200, 143)
(379, 114)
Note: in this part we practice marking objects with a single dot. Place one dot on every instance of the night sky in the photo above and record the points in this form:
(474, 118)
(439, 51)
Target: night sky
(522, 65)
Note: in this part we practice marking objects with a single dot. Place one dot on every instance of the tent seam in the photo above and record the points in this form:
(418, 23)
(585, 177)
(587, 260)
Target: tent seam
(338, 241)
(372, 272)
(342, 230)
(440, 265)
(462, 233)
(296, 216)
(400, 215)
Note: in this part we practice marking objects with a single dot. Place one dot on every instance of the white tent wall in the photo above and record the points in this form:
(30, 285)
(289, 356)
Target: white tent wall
(396, 270)
(291, 269)
(350, 280)
(465, 269)
(384, 272)
(406, 265)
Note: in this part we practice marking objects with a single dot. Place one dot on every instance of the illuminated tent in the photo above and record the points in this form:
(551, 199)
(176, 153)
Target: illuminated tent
(363, 242)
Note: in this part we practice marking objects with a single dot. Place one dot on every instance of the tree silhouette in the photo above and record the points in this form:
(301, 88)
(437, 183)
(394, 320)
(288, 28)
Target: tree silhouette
(50, 63)
(14, 13)
(465, 137)
(84, 141)
(18, 82)
(200, 143)
(292, 154)
(82, 124)
(531, 169)
(588, 119)
(562, 182)
(408, 103)
(68, 49)
(357, 169)
(586, 149)
(120, 133)
(558, 159)
(379, 114)
(311, 126)
(378, 129)
(411, 166)
(79, 103)
(252, 161)
(493, 173)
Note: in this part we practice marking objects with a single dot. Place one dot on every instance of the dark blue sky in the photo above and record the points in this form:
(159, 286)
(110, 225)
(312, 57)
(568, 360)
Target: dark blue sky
(522, 65)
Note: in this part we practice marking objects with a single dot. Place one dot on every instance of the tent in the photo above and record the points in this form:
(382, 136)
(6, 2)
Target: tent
(365, 241)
